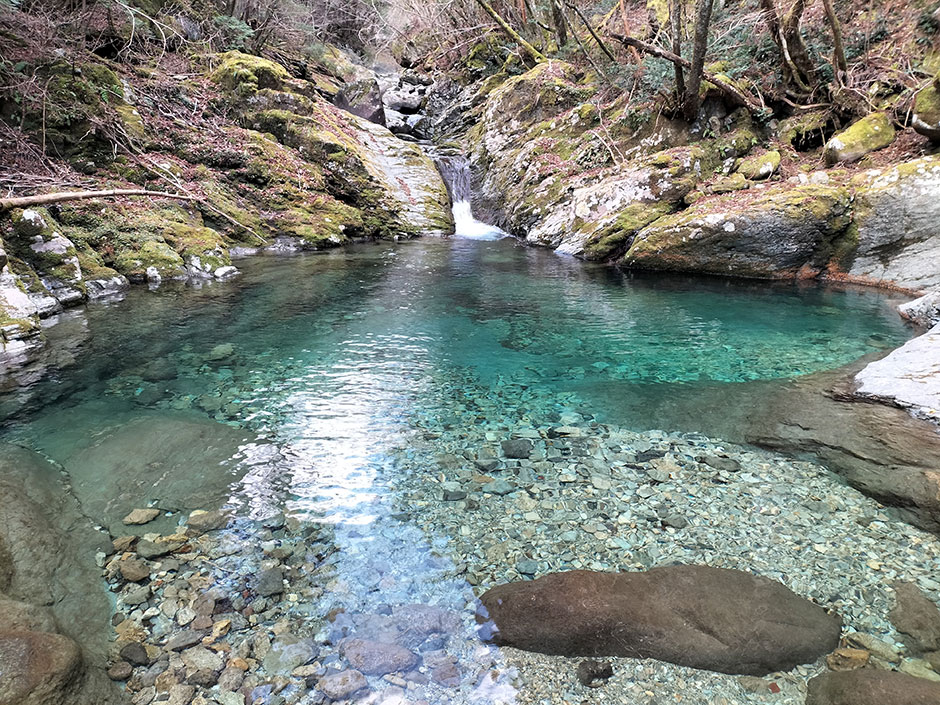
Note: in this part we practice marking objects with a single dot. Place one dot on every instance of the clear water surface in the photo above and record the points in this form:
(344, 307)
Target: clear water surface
(356, 363)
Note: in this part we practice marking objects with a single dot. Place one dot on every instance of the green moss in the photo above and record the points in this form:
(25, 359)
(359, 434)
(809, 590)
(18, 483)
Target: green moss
(93, 267)
(805, 128)
(871, 133)
(760, 166)
(618, 236)
(729, 184)
(133, 263)
(133, 124)
(927, 112)
(245, 74)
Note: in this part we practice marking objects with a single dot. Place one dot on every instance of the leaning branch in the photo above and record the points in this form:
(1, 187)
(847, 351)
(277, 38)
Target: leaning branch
(536, 55)
(44, 199)
(735, 94)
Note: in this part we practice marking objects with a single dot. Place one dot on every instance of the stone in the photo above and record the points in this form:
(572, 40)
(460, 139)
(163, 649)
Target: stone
(920, 668)
(446, 675)
(362, 98)
(591, 671)
(133, 570)
(878, 648)
(760, 166)
(220, 352)
(201, 521)
(135, 654)
(907, 377)
(847, 659)
(924, 311)
(141, 516)
(895, 216)
(871, 687)
(270, 582)
(710, 618)
(376, 658)
(527, 567)
(342, 685)
(723, 464)
(38, 668)
(18, 616)
(916, 617)
(926, 118)
(199, 658)
(776, 234)
(517, 448)
(158, 547)
(287, 653)
(120, 671)
(183, 640)
(499, 487)
(871, 133)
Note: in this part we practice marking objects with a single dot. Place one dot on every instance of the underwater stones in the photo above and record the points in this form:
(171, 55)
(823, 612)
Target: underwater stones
(499, 487)
(288, 652)
(201, 521)
(158, 546)
(376, 658)
(710, 618)
(270, 582)
(140, 516)
(776, 234)
(342, 684)
(220, 352)
(184, 640)
(871, 133)
(871, 687)
(593, 673)
(38, 668)
(916, 617)
(517, 448)
(908, 377)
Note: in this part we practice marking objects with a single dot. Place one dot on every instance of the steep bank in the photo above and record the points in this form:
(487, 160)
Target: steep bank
(259, 156)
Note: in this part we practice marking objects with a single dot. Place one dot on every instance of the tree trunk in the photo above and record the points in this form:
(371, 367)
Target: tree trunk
(788, 39)
(675, 25)
(591, 31)
(797, 48)
(558, 19)
(733, 93)
(838, 60)
(533, 53)
(703, 18)
(44, 199)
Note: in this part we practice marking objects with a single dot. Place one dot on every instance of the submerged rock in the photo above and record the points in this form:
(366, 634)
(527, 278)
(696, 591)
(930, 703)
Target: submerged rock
(698, 616)
(343, 684)
(377, 658)
(916, 617)
(871, 687)
(38, 668)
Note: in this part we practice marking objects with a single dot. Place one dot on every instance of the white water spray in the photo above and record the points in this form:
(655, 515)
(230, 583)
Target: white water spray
(456, 173)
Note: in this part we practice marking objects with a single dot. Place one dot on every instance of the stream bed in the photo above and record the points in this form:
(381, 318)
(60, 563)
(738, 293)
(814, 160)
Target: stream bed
(349, 409)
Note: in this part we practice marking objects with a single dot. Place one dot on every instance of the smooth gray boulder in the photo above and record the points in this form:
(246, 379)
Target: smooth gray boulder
(908, 377)
(692, 615)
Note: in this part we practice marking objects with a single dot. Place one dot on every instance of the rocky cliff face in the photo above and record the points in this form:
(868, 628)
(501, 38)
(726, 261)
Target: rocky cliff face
(648, 193)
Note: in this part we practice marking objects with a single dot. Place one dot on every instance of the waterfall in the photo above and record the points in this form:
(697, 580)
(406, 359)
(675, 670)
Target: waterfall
(456, 174)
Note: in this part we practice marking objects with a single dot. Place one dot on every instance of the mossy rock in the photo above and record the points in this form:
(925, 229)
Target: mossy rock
(616, 237)
(927, 112)
(871, 133)
(245, 74)
(806, 131)
(760, 166)
(729, 184)
(135, 263)
(133, 124)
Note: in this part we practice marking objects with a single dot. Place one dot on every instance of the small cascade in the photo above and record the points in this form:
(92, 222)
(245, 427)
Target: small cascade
(456, 174)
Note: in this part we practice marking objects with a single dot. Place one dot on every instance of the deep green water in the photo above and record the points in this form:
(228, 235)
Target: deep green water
(354, 362)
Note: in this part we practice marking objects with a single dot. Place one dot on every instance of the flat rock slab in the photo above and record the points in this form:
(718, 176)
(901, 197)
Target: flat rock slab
(710, 618)
(908, 377)
(872, 687)
(38, 668)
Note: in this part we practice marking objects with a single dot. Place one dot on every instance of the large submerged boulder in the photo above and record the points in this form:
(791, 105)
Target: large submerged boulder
(710, 618)
(38, 668)
(871, 687)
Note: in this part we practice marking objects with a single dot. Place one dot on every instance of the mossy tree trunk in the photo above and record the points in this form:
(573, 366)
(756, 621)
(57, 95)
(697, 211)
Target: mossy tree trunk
(534, 54)
(675, 27)
(703, 18)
